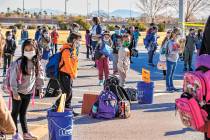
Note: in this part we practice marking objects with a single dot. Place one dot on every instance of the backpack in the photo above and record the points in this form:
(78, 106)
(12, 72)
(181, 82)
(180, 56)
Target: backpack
(52, 88)
(6, 87)
(124, 109)
(112, 80)
(132, 93)
(196, 87)
(191, 114)
(52, 67)
(106, 106)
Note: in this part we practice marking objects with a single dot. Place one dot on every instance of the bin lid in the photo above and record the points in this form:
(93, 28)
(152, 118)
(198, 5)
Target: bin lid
(66, 113)
(144, 84)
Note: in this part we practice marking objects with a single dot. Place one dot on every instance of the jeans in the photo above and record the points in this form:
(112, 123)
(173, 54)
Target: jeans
(103, 68)
(7, 61)
(19, 107)
(89, 51)
(93, 45)
(54, 46)
(115, 62)
(151, 54)
(66, 83)
(171, 66)
(188, 56)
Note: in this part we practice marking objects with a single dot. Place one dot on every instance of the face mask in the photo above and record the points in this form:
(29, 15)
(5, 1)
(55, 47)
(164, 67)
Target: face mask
(76, 29)
(9, 37)
(117, 32)
(126, 44)
(30, 54)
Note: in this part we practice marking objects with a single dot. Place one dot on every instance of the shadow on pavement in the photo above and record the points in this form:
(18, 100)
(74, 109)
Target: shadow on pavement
(85, 86)
(39, 110)
(36, 119)
(87, 120)
(87, 76)
(178, 132)
(154, 107)
(141, 62)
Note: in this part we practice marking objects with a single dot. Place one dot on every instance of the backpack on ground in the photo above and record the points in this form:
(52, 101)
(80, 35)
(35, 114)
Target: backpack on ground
(124, 109)
(119, 92)
(52, 67)
(194, 103)
(132, 93)
(52, 88)
(106, 106)
(112, 80)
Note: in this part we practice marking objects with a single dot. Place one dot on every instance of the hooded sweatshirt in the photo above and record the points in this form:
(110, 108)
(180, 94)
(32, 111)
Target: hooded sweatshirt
(205, 47)
(69, 61)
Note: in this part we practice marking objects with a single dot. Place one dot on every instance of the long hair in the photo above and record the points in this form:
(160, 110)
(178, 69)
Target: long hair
(166, 38)
(24, 60)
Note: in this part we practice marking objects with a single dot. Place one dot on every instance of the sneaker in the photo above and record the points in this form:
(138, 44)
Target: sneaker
(169, 90)
(75, 113)
(190, 69)
(29, 136)
(185, 69)
(17, 136)
(174, 89)
(101, 82)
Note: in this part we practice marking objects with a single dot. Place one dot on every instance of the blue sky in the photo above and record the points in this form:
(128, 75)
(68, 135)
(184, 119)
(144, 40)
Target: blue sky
(74, 6)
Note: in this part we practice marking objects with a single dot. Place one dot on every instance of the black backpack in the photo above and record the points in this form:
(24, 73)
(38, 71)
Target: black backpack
(132, 93)
(112, 80)
(52, 88)
(119, 92)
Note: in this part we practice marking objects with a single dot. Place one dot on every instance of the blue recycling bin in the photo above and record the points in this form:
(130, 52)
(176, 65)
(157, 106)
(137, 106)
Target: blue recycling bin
(145, 92)
(60, 125)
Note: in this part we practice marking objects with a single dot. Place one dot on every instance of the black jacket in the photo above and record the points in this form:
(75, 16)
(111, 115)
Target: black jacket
(10, 47)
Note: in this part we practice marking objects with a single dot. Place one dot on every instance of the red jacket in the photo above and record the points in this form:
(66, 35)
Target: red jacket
(54, 36)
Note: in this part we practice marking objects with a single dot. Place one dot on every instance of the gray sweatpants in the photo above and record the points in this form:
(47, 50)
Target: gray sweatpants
(188, 56)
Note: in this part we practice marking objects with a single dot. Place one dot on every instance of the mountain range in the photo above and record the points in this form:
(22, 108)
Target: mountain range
(123, 13)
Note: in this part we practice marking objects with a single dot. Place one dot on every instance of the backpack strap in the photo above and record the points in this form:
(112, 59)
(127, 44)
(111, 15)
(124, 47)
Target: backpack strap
(204, 69)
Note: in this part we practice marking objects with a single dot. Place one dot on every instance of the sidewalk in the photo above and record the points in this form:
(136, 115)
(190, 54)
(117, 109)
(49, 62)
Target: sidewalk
(147, 122)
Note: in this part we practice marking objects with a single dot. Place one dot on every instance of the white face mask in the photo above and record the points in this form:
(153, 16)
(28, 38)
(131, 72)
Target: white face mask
(9, 37)
(30, 54)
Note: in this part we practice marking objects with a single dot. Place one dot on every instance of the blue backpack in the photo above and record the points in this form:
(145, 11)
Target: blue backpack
(106, 106)
(52, 67)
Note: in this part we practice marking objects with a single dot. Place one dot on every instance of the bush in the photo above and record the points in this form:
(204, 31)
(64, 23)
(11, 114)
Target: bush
(110, 27)
(32, 27)
(19, 25)
(84, 25)
(63, 25)
(161, 27)
(141, 26)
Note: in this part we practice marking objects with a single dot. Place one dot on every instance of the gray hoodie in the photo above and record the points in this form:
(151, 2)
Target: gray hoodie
(27, 82)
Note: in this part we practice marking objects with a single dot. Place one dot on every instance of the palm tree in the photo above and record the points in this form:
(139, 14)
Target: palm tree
(8, 10)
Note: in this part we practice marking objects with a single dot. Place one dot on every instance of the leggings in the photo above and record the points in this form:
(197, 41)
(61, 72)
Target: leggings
(19, 107)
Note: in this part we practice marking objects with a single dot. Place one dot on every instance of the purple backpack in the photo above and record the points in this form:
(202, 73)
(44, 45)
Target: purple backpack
(106, 107)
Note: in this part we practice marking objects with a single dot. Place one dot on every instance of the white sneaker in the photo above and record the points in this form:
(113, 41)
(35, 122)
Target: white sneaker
(17, 136)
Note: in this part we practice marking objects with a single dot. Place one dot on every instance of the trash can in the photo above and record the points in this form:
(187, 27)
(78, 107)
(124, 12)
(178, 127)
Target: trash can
(60, 125)
(145, 92)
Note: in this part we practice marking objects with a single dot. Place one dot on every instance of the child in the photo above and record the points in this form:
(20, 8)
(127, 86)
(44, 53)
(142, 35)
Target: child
(38, 33)
(136, 36)
(44, 46)
(8, 51)
(24, 34)
(68, 71)
(115, 37)
(54, 36)
(2, 41)
(103, 61)
(124, 59)
(26, 76)
(88, 43)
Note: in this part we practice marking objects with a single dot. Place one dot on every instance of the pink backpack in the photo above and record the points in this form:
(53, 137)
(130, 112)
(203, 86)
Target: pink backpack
(197, 88)
(191, 113)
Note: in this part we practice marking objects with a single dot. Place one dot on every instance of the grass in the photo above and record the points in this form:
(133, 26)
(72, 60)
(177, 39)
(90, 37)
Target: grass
(64, 34)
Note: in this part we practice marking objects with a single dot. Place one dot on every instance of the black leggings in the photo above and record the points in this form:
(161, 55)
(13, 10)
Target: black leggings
(65, 82)
(19, 107)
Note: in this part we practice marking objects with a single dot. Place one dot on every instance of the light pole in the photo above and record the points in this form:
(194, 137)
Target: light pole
(65, 13)
(98, 8)
(23, 6)
(108, 9)
(182, 16)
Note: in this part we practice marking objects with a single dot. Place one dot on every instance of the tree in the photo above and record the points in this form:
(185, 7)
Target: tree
(192, 7)
(152, 7)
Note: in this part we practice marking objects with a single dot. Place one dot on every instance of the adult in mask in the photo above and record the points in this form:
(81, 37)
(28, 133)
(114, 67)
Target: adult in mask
(189, 50)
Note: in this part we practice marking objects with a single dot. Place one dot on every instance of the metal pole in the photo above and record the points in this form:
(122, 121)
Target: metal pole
(98, 8)
(87, 8)
(108, 9)
(23, 6)
(182, 16)
(41, 10)
(65, 13)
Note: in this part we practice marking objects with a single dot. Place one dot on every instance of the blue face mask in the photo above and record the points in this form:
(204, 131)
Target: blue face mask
(117, 32)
